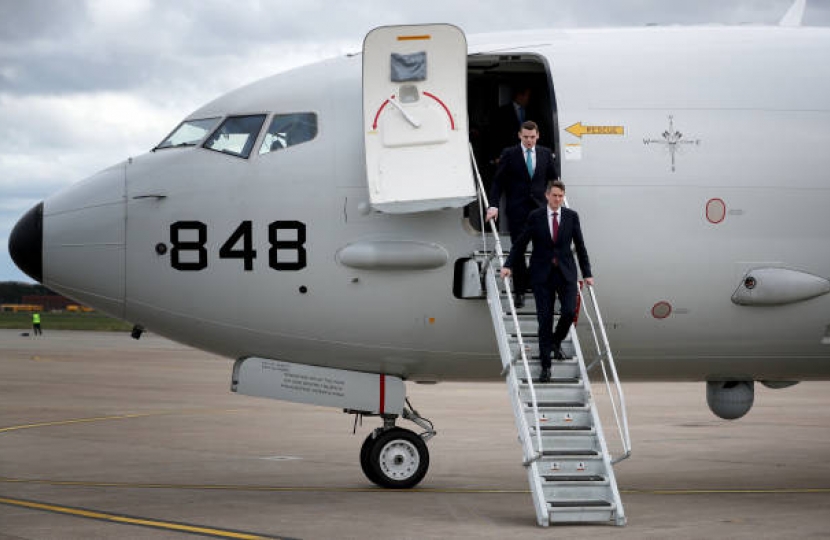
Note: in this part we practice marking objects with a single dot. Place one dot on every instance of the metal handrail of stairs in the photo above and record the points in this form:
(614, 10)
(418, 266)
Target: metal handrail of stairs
(524, 430)
(619, 512)
(604, 353)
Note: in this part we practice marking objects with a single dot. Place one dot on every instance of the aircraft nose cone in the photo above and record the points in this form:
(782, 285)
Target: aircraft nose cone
(26, 243)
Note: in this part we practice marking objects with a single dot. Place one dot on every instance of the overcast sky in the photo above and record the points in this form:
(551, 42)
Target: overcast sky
(86, 84)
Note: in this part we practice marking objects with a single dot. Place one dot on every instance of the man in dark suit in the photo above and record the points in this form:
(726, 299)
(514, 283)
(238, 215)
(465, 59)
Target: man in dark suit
(522, 174)
(552, 269)
(509, 119)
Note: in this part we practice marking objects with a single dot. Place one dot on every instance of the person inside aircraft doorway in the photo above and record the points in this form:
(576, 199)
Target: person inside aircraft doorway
(522, 174)
(509, 119)
(36, 324)
(552, 269)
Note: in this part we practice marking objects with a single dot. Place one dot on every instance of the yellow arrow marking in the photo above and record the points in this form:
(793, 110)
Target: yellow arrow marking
(579, 130)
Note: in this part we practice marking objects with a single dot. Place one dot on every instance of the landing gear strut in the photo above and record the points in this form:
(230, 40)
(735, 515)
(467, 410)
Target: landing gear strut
(394, 457)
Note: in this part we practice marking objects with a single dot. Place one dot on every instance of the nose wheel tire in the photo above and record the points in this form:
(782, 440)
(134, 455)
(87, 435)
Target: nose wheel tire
(365, 451)
(396, 458)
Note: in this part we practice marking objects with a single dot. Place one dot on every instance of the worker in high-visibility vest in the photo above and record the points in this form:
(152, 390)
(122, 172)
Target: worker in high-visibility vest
(36, 324)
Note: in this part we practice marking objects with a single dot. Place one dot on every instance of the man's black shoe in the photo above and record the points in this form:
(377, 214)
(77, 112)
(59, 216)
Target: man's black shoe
(544, 376)
(557, 353)
(519, 301)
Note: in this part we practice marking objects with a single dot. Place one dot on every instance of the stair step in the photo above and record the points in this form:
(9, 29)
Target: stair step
(526, 313)
(558, 368)
(548, 427)
(568, 367)
(573, 478)
(555, 405)
(561, 453)
(527, 323)
(590, 503)
(533, 358)
(531, 341)
(551, 385)
(529, 337)
(560, 416)
(529, 309)
(568, 443)
(568, 383)
(561, 372)
(553, 380)
(599, 511)
(556, 382)
(571, 465)
(581, 511)
(564, 491)
(553, 393)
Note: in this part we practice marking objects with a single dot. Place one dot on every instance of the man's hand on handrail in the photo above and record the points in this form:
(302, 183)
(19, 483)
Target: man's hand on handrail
(492, 213)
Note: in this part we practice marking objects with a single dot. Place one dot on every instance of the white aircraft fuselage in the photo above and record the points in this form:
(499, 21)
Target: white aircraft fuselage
(693, 156)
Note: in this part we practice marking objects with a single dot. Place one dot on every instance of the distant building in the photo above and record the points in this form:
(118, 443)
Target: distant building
(50, 302)
(14, 308)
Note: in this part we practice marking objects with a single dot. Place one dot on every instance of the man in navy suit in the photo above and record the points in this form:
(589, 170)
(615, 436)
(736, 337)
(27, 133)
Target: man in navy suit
(523, 172)
(552, 269)
(509, 119)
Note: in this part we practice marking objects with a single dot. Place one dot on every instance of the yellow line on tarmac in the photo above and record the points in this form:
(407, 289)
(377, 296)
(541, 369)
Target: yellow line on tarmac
(105, 418)
(128, 520)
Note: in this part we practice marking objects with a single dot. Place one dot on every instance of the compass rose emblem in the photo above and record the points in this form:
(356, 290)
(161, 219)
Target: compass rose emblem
(673, 140)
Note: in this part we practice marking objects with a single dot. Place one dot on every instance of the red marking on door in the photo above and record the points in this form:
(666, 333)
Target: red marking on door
(377, 114)
(433, 96)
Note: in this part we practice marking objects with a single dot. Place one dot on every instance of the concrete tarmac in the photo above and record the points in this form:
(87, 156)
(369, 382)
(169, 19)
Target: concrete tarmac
(102, 436)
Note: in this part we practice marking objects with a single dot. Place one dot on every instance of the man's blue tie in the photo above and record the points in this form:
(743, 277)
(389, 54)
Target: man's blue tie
(529, 160)
(521, 115)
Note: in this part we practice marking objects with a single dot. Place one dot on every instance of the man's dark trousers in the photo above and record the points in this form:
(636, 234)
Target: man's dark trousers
(545, 295)
(516, 219)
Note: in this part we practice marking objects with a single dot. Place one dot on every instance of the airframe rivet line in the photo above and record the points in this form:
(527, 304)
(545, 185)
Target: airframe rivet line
(130, 520)
(115, 417)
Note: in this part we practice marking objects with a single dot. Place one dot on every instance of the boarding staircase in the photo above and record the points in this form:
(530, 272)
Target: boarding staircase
(569, 465)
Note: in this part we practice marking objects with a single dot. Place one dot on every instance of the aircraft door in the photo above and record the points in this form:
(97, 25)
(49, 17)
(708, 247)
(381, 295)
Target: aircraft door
(415, 118)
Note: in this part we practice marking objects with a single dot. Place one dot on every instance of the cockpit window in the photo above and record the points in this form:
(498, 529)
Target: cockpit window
(237, 135)
(189, 133)
(289, 130)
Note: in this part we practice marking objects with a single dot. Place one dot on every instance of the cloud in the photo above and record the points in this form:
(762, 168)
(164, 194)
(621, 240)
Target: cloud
(36, 20)
(64, 138)
(122, 46)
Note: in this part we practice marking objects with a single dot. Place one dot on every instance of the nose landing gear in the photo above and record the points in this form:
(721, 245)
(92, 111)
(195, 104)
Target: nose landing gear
(394, 457)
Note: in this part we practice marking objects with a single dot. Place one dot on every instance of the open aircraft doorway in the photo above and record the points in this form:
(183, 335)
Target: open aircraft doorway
(495, 81)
